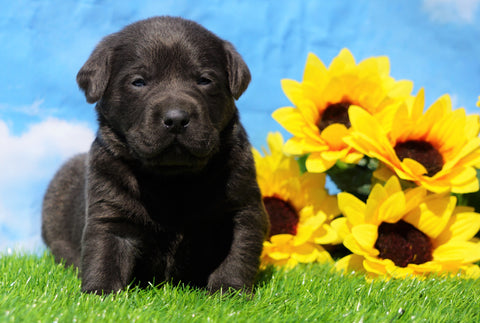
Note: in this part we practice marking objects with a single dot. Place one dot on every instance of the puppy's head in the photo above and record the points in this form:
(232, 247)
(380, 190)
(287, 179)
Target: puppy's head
(165, 89)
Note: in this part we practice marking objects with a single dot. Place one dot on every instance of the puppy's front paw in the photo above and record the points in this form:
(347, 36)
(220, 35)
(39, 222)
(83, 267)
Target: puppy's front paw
(227, 284)
(100, 289)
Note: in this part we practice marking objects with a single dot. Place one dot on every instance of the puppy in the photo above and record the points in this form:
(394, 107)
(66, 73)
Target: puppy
(168, 189)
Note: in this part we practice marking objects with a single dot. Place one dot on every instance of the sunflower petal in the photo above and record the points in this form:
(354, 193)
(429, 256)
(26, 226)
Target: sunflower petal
(392, 186)
(334, 134)
(413, 167)
(461, 227)
(350, 263)
(376, 265)
(471, 271)
(352, 208)
(315, 71)
(414, 197)
(362, 121)
(343, 61)
(375, 65)
(275, 142)
(293, 90)
(432, 216)
(294, 146)
(393, 209)
(402, 88)
(472, 126)
(399, 272)
(326, 235)
(365, 236)
(427, 267)
(291, 120)
(340, 226)
(418, 105)
(317, 164)
(461, 252)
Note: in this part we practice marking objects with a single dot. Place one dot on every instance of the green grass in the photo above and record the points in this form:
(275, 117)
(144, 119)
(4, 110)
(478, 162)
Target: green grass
(35, 289)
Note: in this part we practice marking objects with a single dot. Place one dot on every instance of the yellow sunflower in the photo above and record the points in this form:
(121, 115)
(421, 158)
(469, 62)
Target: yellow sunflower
(407, 233)
(299, 207)
(319, 121)
(478, 103)
(436, 149)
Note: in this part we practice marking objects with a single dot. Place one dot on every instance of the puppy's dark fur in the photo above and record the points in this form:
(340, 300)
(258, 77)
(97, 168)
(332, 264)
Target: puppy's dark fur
(168, 189)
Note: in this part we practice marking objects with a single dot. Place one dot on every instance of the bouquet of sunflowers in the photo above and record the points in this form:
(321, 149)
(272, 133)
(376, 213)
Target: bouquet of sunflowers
(407, 176)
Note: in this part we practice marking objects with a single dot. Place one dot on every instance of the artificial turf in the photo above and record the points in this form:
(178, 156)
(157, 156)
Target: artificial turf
(35, 289)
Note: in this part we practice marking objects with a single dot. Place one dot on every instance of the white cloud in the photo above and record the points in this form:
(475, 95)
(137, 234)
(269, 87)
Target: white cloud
(20, 230)
(27, 164)
(34, 109)
(456, 11)
(27, 156)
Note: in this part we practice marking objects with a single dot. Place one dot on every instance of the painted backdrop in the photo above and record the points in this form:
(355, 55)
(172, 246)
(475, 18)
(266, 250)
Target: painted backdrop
(44, 118)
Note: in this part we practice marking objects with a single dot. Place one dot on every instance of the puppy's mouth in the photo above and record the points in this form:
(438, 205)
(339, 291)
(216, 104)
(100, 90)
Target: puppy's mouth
(173, 156)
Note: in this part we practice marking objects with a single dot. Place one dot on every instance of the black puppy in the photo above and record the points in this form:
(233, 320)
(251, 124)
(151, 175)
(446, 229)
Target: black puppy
(168, 189)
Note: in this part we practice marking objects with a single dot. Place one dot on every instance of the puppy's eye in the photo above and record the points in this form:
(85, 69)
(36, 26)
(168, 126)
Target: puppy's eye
(139, 82)
(204, 81)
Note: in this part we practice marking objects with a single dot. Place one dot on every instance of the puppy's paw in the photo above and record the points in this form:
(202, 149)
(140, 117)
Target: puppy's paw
(100, 289)
(229, 285)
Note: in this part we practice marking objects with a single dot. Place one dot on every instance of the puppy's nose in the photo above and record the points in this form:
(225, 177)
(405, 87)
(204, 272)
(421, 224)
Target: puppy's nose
(176, 120)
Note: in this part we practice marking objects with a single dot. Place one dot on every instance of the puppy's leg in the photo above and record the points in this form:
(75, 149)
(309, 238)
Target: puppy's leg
(64, 251)
(110, 240)
(108, 259)
(239, 268)
(63, 211)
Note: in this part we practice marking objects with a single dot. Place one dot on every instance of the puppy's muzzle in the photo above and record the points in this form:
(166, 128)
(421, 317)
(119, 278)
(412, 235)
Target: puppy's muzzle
(176, 120)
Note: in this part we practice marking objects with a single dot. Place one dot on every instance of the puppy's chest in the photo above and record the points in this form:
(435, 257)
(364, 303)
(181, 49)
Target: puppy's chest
(184, 205)
(185, 253)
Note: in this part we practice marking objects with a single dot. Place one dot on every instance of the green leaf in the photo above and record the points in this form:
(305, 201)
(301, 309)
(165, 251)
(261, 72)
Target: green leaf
(354, 179)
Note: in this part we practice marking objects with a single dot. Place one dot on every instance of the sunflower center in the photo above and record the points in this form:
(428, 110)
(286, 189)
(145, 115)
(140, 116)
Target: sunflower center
(423, 152)
(402, 243)
(283, 217)
(335, 113)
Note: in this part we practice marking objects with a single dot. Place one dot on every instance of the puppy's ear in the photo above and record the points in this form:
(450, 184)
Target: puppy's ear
(94, 75)
(238, 73)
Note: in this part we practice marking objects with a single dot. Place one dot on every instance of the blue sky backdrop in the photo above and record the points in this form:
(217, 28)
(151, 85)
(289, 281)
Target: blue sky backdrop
(44, 118)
